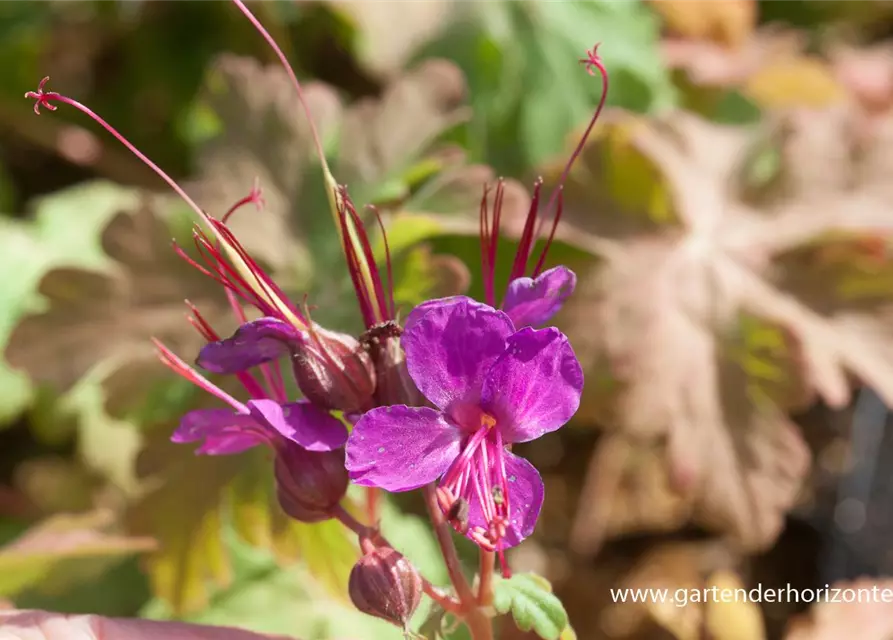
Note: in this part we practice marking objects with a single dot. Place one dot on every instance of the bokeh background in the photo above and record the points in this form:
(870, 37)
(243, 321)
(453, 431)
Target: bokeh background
(729, 220)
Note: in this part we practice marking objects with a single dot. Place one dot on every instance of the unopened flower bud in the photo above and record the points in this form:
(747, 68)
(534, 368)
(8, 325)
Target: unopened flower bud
(384, 584)
(333, 371)
(393, 384)
(309, 483)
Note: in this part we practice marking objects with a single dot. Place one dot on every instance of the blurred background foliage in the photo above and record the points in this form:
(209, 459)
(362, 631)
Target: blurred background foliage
(729, 220)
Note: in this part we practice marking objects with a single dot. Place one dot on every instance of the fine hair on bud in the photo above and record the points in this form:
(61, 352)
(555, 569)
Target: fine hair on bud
(384, 584)
(309, 484)
(393, 384)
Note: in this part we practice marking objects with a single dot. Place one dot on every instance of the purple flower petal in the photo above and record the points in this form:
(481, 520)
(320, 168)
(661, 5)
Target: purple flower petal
(535, 386)
(525, 499)
(533, 301)
(400, 448)
(311, 427)
(450, 349)
(223, 431)
(252, 344)
(419, 312)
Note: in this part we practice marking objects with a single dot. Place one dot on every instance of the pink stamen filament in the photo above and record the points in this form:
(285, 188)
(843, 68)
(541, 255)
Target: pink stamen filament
(376, 306)
(478, 474)
(556, 218)
(175, 364)
(270, 288)
(489, 230)
(255, 197)
(291, 75)
(501, 480)
(221, 271)
(392, 308)
(592, 61)
(201, 325)
(46, 98)
(533, 225)
(525, 245)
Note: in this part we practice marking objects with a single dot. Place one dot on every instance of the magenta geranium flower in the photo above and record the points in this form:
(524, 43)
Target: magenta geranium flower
(492, 386)
(259, 421)
(529, 302)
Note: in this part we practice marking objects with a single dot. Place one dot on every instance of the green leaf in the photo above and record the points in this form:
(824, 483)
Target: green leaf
(65, 231)
(201, 497)
(528, 92)
(267, 597)
(528, 597)
(63, 550)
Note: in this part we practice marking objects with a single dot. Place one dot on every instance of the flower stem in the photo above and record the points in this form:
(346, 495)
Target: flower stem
(372, 504)
(478, 624)
(371, 536)
(485, 584)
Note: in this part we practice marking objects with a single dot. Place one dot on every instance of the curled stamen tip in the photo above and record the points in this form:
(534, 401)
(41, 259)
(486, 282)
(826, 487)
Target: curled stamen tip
(257, 195)
(41, 98)
(592, 60)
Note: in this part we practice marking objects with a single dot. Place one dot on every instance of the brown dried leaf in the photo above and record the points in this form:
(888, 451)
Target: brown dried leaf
(97, 317)
(683, 571)
(758, 292)
(45, 625)
(728, 23)
(865, 613)
(390, 32)
(381, 138)
(264, 134)
(867, 74)
(707, 63)
(769, 68)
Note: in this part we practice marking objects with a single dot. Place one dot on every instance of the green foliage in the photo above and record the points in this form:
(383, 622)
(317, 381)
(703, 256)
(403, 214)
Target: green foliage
(65, 231)
(527, 93)
(62, 551)
(529, 599)
(265, 595)
(94, 275)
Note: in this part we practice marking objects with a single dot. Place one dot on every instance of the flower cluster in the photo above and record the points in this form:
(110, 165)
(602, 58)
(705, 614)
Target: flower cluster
(441, 399)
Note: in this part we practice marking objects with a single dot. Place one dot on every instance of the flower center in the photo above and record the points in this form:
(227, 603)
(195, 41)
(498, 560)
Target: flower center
(478, 476)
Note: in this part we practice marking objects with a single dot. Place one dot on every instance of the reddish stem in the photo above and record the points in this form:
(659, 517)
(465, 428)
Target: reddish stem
(371, 536)
(592, 61)
(485, 584)
(46, 98)
(372, 504)
(478, 624)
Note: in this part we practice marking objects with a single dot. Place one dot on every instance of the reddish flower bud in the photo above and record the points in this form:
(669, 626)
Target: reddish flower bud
(333, 371)
(309, 483)
(393, 384)
(384, 584)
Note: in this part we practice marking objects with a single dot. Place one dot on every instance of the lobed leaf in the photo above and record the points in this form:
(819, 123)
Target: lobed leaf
(64, 231)
(106, 313)
(515, 55)
(529, 599)
(725, 298)
(383, 148)
(194, 500)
